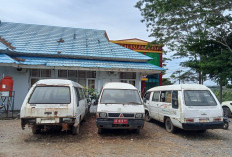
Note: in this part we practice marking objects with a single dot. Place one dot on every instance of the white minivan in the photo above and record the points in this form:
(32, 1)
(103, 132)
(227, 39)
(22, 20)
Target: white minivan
(52, 103)
(120, 107)
(185, 106)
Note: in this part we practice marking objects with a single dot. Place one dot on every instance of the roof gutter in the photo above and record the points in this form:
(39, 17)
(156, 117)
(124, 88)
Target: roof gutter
(143, 71)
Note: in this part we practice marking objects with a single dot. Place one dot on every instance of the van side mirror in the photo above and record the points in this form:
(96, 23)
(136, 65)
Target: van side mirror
(95, 102)
(144, 99)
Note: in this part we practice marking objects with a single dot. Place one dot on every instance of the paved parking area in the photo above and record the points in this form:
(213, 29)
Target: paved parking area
(153, 140)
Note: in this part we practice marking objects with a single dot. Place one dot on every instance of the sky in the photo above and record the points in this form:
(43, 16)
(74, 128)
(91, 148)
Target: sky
(119, 18)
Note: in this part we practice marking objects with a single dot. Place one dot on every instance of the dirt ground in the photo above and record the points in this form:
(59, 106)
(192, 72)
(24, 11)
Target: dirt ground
(153, 140)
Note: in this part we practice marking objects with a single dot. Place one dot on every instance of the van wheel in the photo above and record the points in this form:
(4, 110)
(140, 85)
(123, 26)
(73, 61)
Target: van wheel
(201, 131)
(100, 131)
(147, 116)
(226, 112)
(169, 126)
(225, 125)
(76, 130)
(35, 129)
(137, 131)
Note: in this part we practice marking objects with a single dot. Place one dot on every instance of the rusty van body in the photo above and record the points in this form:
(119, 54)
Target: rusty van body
(54, 103)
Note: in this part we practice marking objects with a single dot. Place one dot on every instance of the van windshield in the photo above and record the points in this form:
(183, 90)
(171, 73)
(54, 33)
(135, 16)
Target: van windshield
(50, 95)
(120, 96)
(199, 98)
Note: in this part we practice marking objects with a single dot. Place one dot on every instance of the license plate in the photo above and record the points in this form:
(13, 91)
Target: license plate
(120, 121)
(204, 120)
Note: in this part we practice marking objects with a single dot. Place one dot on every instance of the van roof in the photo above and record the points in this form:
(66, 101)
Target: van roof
(57, 82)
(180, 87)
(119, 85)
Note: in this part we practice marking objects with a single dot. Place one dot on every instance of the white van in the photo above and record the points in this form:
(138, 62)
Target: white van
(185, 106)
(54, 102)
(227, 108)
(120, 107)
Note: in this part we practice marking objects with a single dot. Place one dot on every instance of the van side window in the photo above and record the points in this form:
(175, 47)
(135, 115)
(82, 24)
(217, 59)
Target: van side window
(174, 99)
(77, 95)
(146, 96)
(166, 96)
(81, 93)
(156, 96)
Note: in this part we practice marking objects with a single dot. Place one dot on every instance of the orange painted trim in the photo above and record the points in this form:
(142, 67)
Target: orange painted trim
(133, 43)
(148, 51)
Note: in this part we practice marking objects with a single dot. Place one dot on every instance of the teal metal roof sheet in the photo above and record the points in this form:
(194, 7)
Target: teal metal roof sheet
(81, 63)
(6, 59)
(41, 40)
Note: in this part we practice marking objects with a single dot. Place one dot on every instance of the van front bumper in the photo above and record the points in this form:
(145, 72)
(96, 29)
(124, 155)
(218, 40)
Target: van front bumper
(202, 126)
(108, 123)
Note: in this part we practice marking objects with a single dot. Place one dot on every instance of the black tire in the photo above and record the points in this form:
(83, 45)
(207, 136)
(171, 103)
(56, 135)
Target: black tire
(76, 130)
(100, 131)
(169, 126)
(147, 116)
(201, 131)
(137, 131)
(226, 112)
(225, 125)
(35, 129)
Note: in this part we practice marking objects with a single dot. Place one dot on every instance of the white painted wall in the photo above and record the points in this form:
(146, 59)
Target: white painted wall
(21, 83)
(103, 77)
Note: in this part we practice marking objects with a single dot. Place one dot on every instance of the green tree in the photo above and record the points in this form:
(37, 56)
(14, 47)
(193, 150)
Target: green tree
(172, 22)
(181, 76)
(193, 28)
(217, 62)
(166, 81)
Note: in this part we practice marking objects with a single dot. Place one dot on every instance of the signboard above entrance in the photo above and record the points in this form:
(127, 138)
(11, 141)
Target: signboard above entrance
(139, 45)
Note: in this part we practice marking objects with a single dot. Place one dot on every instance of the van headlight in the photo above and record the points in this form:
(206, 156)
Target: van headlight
(102, 114)
(138, 115)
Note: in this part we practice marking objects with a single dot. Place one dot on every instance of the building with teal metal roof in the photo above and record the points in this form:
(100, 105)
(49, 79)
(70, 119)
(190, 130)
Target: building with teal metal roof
(31, 52)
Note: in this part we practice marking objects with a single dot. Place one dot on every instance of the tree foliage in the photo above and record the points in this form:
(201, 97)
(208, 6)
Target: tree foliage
(181, 76)
(171, 22)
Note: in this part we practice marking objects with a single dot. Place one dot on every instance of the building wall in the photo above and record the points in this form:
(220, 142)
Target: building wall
(22, 81)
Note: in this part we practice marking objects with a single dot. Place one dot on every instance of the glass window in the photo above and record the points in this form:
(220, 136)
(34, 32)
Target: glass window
(45, 73)
(82, 82)
(81, 74)
(120, 96)
(50, 95)
(124, 81)
(146, 96)
(175, 99)
(166, 96)
(80, 91)
(132, 82)
(72, 73)
(156, 96)
(63, 73)
(91, 74)
(91, 83)
(34, 80)
(77, 93)
(130, 75)
(199, 98)
(35, 72)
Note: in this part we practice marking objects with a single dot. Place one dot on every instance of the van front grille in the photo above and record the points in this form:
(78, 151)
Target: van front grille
(128, 114)
(113, 114)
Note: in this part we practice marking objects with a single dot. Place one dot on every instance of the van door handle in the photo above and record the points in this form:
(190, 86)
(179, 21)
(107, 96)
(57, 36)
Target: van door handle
(47, 113)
